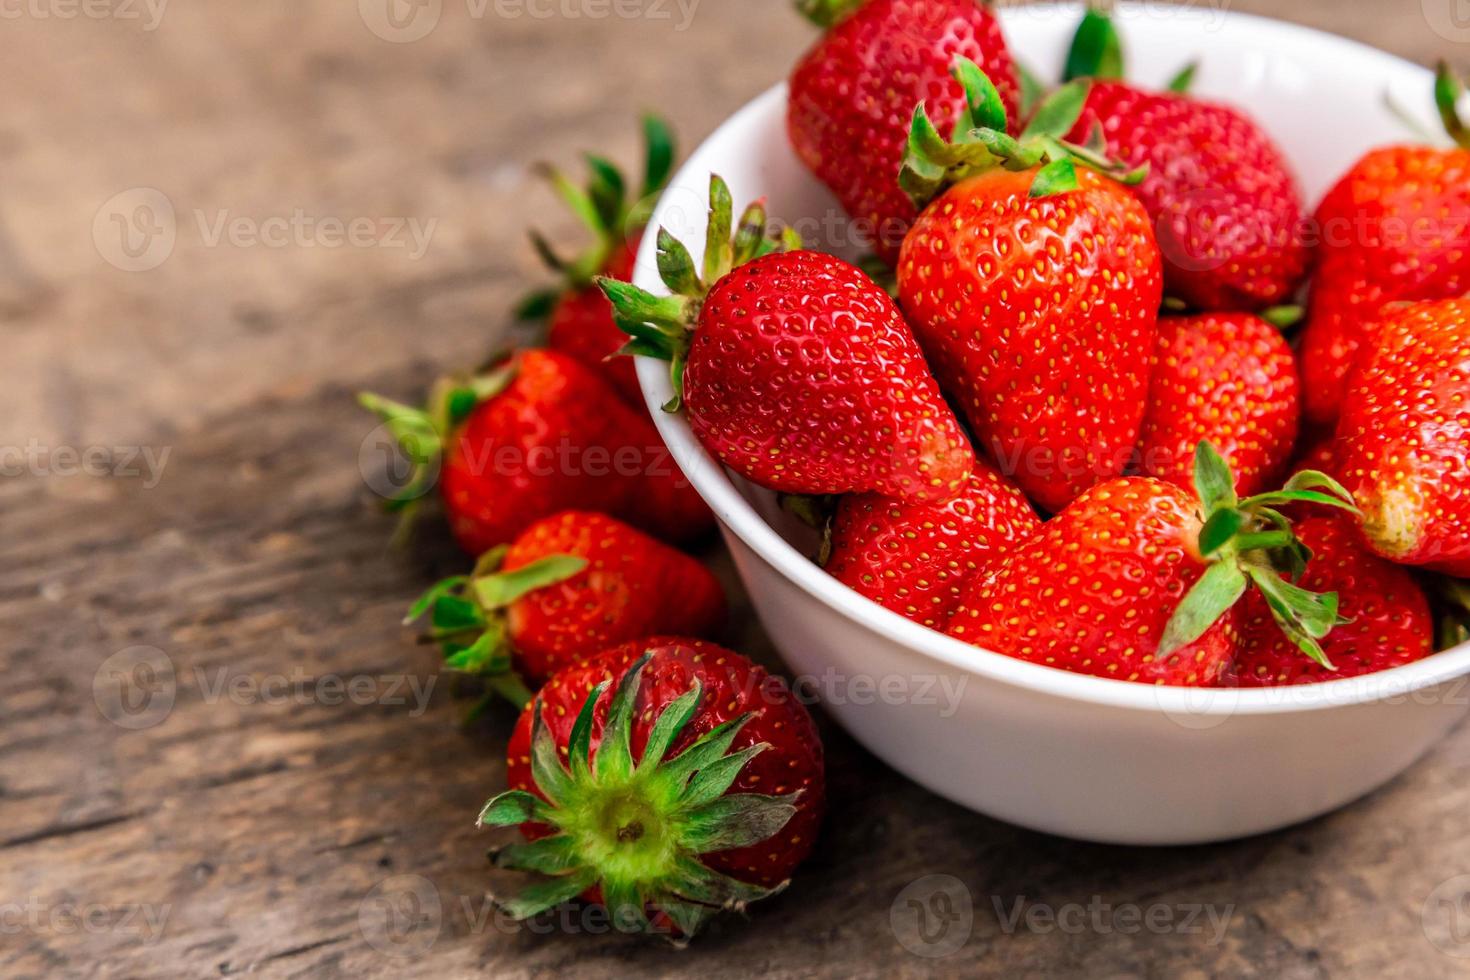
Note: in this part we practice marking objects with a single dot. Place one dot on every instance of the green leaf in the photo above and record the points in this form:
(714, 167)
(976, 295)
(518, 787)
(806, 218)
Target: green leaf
(1448, 90)
(676, 266)
(453, 614)
(1057, 177)
(669, 725)
(1218, 589)
(1218, 530)
(503, 588)
(1213, 482)
(537, 306)
(1059, 113)
(614, 759)
(738, 820)
(1096, 49)
(548, 894)
(688, 918)
(923, 171)
(608, 193)
(1315, 479)
(750, 236)
(579, 745)
(548, 856)
(1303, 616)
(547, 254)
(513, 808)
(581, 204)
(435, 592)
(713, 780)
(710, 746)
(1184, 81)
(719, 252)
(697, 883)
(1032, 90)
(624, 904)
(546, 768)
(984, 108)
(488, 654)
(826, 13)
(634, 305)
(658, 139)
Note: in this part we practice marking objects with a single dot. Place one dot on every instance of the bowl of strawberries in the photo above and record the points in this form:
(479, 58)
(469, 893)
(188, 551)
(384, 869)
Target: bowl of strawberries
(1094, 447)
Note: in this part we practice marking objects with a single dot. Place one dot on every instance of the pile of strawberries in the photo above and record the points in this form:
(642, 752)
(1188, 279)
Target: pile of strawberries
(1072, 426)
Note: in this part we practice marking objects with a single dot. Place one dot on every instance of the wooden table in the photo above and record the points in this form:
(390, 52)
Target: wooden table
(263, 823)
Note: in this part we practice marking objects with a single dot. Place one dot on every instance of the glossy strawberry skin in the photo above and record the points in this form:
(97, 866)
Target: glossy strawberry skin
(1390, 623)
(732, 686)
(1092, 591)
(1227, 211)
(804, 378)
(555, 439)
(1035, 314)
(1404, 436)
(854, 93)
(1395, 228)
(633, 586)
(582, 327)
(1229, 378)
(916, 558)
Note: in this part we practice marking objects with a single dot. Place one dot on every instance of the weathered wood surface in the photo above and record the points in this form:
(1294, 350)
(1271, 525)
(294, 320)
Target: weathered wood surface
(264, 826)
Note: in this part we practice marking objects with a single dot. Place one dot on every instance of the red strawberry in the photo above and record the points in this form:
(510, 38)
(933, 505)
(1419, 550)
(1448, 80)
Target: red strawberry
(915, 558)
(1138, 580)
(801, 374)
(1034, 293)
(580, 319)
(651, 800)
(1395, 228)
(853, 93)
(1404, 437)
(1226, 208)
(1231, 379)
(534, 436)
(572, 585)
(1388, 619)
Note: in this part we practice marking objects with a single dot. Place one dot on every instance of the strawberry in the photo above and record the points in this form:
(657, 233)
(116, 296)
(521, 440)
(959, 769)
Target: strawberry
(1404, 436)
(798, 371)
(570, 586)
(1395, 228)
(1227, 210)
(537, 434)
(653, 800)
(853, 93)
(579, 318)
(1138, 580)
(1388, 619)
(915, 558)
(1231, 379)
(1033, 289)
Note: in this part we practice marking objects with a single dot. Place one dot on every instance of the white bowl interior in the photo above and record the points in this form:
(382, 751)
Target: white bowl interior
(1321, 97)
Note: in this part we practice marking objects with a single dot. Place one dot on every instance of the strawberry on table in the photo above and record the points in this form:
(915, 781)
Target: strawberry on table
(1138, 580)
(536, 434)
(579, 318)
(1404, 438)
(571, 586)
(853, 93)
(797, 370)
(1227, 210)
(1226, 378)
(1033, 284)
(667, 779)
(915, 558)
(1388, 622)
(1395, 228)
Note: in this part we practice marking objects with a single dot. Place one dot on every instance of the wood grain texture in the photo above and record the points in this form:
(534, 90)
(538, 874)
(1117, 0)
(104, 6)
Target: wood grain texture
(267, 825)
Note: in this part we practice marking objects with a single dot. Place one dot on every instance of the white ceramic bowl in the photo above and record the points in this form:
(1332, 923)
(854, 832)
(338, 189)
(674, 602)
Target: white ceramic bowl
(1078, 756)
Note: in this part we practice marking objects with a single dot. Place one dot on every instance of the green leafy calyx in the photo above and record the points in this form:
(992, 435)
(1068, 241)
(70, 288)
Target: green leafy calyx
(1250, 542)
(662, 326)
(467, 616)
(637, 828)
(826, 13)
(1448, 91)
(980, 143)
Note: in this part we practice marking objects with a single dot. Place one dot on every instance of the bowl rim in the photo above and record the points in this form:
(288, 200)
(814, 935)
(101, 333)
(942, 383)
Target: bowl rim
(737, 514)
